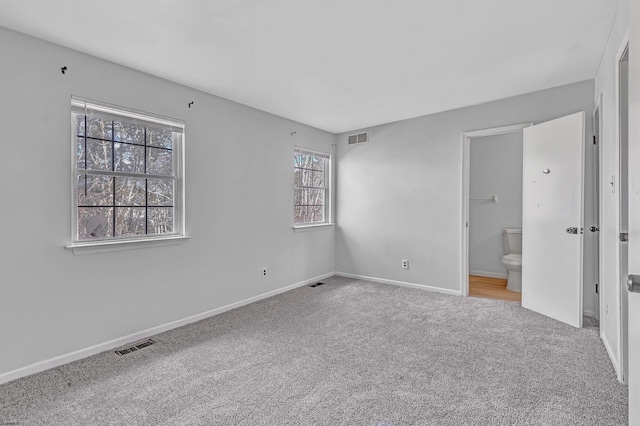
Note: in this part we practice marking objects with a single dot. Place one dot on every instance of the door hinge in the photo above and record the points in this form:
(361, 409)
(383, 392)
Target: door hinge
(597, 289)
(595, 139)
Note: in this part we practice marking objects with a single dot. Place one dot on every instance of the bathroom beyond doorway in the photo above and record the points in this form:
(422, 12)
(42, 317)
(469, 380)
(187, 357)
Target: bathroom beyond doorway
(492, 288)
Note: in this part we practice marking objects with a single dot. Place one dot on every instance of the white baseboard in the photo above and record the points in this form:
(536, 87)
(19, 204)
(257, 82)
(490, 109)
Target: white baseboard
(488, 274)
(112, 344)
(614, 360)
(586, 313)
(400, 283)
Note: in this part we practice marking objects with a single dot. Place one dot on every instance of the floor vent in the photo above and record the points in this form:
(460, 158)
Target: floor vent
(316, 284)
(134, 348)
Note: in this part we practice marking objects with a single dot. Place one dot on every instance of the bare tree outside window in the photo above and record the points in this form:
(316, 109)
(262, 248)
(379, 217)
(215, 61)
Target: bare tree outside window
(311, 190)
(125, 175)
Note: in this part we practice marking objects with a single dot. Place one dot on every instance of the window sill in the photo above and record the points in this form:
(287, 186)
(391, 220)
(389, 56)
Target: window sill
(303, 228)
(117, 245)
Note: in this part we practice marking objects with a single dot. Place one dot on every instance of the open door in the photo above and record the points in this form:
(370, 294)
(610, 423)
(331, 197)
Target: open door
(552, 218)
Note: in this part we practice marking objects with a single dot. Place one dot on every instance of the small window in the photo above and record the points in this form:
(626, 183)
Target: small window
(311, 194)
(127, 174)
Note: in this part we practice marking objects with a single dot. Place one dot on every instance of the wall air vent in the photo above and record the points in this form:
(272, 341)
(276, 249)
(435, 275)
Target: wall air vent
(358, 138)
(136, 347)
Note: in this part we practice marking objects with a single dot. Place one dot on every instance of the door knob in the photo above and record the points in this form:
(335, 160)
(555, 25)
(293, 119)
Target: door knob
(633, 282)
(624, 237)
(594, 229)
(572, 230)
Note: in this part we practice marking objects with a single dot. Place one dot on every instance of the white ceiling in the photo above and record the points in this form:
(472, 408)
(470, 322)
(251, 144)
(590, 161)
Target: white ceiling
(338, 65)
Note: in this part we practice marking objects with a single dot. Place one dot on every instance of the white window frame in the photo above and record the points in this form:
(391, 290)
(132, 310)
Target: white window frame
(328, 211)
(87, 107)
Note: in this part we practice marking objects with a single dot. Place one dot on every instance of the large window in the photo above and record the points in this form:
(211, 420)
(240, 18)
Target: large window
(312, 172)
(127, 175)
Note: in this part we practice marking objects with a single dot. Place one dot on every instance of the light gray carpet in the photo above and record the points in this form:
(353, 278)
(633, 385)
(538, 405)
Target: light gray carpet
(345, 353)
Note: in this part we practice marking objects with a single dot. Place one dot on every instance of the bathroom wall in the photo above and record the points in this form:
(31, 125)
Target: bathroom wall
(239, 209)
(496, 168)
(399, 196)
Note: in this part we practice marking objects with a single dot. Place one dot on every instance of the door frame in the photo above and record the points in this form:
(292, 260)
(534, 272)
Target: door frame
(598, 204)
(622, 336)
(466, 167)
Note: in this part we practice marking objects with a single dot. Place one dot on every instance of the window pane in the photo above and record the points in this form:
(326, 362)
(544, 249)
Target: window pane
(160, 220)
(99, 155)
(317, 163)
(128, 132)
(297, 177)
(160, 192)
(94, 190)
(95, 222)
(99, 128)
(79, 120)
(307, 177)
(316, 214)
(130, 191)
(318, 179)
(159, 161)
(130, 221)
(306, 161)
(308, 197)
(299, 197)
(314, 197)
(159, 137)
(129, 158)
(299, 213)
(80, 153)
(308, 215)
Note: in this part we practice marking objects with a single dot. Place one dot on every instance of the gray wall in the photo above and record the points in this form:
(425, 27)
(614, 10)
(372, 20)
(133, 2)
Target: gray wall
(400, 195)
(239, 210)
(495, 168)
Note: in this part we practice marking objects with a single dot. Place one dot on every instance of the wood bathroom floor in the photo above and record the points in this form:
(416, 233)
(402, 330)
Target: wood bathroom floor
(492, 288)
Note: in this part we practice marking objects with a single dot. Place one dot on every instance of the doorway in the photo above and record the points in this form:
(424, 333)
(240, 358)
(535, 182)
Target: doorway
(484, 276)
(552, 260)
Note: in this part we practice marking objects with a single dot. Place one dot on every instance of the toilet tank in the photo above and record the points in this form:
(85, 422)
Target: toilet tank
(512, 240)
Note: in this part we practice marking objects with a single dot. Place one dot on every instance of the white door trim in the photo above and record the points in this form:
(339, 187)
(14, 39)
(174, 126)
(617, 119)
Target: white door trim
(598, 110)
(624, 45)
(466, 164)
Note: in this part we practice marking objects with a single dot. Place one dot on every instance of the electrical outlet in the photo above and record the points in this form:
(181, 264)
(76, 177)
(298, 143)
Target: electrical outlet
(264, 272)
(405, 264)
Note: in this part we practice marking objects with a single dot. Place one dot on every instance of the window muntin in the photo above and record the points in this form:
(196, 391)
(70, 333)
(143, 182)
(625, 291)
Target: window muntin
(127, 174)
(311, 176)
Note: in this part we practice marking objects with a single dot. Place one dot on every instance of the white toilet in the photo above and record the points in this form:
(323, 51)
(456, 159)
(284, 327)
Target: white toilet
(512, 259)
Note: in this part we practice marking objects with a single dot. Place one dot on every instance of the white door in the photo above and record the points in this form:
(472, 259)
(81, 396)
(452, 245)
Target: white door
(552, 216)
(633, 377)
